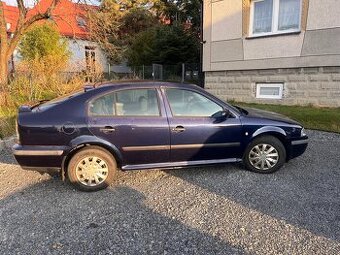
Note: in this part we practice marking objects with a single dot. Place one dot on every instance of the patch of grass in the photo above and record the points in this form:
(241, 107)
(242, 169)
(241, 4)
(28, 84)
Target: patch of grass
(318, 118)
(7, 123)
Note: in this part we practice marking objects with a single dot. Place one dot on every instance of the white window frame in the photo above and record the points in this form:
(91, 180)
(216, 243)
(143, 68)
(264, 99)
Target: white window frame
(269, 85)
(275, 20)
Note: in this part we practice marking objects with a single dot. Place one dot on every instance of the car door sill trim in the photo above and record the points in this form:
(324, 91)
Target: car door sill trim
(179, 146)
(146, 148)
(179, 164)
(206, 145)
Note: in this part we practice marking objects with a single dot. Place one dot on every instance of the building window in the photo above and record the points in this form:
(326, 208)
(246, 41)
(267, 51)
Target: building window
(81, 21)
(275, 17)
(90, 58)
(269, 90)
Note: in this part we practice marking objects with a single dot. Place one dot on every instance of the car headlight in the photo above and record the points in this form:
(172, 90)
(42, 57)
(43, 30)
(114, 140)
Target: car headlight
(303, 133)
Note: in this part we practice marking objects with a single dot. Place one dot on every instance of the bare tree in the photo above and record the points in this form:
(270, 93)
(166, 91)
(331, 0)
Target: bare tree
(115, 23)
(104, 25)
(9, 43)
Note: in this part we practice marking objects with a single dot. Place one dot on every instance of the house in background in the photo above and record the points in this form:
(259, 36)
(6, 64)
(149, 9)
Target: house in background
(273, 51)
(11, 14)
(70, 20)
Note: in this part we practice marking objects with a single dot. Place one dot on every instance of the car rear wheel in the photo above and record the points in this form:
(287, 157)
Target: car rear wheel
(265, 154)
(92, 169)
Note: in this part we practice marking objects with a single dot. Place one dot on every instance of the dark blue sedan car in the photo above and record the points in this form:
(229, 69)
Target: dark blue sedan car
(145, 125)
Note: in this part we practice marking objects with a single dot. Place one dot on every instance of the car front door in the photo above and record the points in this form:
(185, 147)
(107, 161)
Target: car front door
(195, 134)
(134, 122)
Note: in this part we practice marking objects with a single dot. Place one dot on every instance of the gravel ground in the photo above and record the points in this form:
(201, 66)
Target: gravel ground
(210, 210)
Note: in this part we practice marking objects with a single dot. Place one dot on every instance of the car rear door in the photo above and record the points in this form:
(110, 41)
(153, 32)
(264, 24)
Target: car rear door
(195, 135)
(134, 122)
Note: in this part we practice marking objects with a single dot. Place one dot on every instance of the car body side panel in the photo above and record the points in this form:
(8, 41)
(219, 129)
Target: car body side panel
(147, 141)
(203, 139)
(140, 139)
(55, 126)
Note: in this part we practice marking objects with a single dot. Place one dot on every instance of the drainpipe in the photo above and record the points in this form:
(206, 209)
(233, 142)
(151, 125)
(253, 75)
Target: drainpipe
(200, 68)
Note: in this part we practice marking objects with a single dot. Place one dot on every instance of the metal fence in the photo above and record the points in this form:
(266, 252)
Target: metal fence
(179, 73)
(185, 73)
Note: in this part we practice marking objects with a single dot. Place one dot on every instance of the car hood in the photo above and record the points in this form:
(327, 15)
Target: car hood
(256, 113)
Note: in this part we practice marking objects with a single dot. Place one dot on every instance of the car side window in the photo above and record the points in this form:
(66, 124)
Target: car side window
(137, 102)
(186, 103)
(103, 106)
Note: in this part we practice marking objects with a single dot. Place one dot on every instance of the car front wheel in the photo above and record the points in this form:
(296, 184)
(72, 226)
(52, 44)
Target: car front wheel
(92, 169)
(265, 154)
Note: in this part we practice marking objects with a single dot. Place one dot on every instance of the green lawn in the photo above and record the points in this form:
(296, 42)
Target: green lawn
(326, 119)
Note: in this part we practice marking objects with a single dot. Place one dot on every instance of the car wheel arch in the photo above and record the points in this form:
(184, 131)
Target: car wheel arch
(111, 149)
(275, 132)
(269, 129)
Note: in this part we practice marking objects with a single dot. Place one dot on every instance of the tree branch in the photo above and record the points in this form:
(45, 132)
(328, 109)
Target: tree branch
(24, 24)
(22, 8)
(3, 28)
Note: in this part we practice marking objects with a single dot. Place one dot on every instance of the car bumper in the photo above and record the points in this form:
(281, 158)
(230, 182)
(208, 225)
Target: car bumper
(39, 158)
(298, 147)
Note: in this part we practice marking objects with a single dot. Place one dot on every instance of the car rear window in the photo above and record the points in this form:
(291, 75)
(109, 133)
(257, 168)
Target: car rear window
(56, 101)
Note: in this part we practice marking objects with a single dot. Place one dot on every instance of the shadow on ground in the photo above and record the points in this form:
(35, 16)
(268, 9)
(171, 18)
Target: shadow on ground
(150, 212)
(304, 193)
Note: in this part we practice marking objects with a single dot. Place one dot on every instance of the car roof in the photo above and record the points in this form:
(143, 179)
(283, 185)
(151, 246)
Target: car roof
(126, 84)
(102, 88)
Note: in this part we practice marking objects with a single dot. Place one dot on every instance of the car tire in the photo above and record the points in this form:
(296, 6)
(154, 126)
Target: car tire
(92, 169)
(265, 154)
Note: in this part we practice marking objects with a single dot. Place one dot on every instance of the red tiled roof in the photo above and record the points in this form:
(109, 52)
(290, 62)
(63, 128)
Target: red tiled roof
(67, 16)
(11, 16)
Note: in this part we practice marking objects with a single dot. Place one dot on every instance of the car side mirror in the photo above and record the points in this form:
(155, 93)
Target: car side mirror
(221, 115)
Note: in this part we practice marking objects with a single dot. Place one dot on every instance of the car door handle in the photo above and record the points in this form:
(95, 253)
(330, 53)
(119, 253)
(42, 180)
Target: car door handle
(178, 129)
(107, 129)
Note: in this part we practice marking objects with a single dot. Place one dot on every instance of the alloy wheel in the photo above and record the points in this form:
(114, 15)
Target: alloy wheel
(263, 156)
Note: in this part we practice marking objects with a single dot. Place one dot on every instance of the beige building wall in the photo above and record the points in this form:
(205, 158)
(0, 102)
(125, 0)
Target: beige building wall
(226, 20)
(77, 60)
(323, 14)
(306, 63)
(226, 48)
